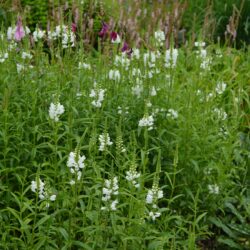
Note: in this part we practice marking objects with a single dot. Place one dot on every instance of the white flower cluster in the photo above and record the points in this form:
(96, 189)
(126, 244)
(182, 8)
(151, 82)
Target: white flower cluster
(153, 196)
(220, 113)
(38, 34)
(55, 110)
(172, 113)
(213, 189)
(150, 58)
(114, 74)
(135, 54)
(82, 65)
(3, 57)
(159, 37)
(110, 190)
(65, 34)
(147, 121)
(202, 54)
(39, 187)
(122, 60)
(98, 94)
(11, 32)
(26, 55)
(76, 163)
(138, 88)
(171, 58)
(220, 88)
(132, 175)
(105, 141)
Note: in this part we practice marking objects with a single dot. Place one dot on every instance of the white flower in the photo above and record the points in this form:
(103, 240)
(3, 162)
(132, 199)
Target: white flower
(55, 110)
(154, 215)
(136, 53)
(172, 113)
(115, 75)
(153, 91)
(220, 88)
(98, 94)
(222, 115)
(19, 68)
(213, 189)
(147, 121)
(105, 141)
(159, 37)
(53, 197)
(150, 197)
(199, 44)
(26, 55)
(82, 65)
(38, 34)
(113, 205)
(171, 58)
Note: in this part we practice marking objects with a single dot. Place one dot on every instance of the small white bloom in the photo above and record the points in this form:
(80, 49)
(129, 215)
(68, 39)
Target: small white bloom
(172, 113)
(82, 65)
(38, 34)
(26, 55)
(105, 141)
(147, 121)
(55, 110)
(220, 88)
(53, 197)
(213, 189)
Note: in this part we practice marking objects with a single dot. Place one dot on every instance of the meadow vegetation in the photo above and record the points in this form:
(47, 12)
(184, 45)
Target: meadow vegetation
(122, 145)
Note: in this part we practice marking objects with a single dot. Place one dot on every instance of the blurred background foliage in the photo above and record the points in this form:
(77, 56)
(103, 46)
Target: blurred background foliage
(208, 19)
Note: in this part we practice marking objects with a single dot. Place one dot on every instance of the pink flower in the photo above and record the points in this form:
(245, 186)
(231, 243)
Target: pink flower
(19, 33)
(104, 30)
(125, 47)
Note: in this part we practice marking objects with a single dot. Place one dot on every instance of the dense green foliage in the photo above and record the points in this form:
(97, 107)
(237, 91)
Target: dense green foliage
(198, 151)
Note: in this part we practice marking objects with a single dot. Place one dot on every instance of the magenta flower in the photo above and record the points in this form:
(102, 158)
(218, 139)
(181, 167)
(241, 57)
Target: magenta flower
(104, 30)
(115, 38)
(19, 33)
(73, 27)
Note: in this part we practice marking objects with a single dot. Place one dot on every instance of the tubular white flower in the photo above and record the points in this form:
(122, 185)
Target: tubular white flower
(55, 110)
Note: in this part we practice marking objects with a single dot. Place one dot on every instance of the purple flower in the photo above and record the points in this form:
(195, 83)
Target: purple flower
(125, 47)
(19, 33)
(104, 30)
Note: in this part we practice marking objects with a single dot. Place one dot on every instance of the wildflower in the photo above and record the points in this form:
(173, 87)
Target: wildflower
(105, 141)
(132, 175)
(19, 33)
(172, 113)
(159, 37)
(109, 191)
(19, 68)
(136, 53)
(38, 34)
(98, 94)
(136, 72)
(73, 27)
(152, 198)
(44, 193)
(26, 55)
(199, 44)
(82, 65)
(221, 114)
(115, 75)
(147, 121)
(153, 91)
(115, 38)
(154, 215)
(104, 30)
(3, 57)
(137, 89)
(220, 88)
(55, 110)
(213, 189)
(171, 58)
(76, 163)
